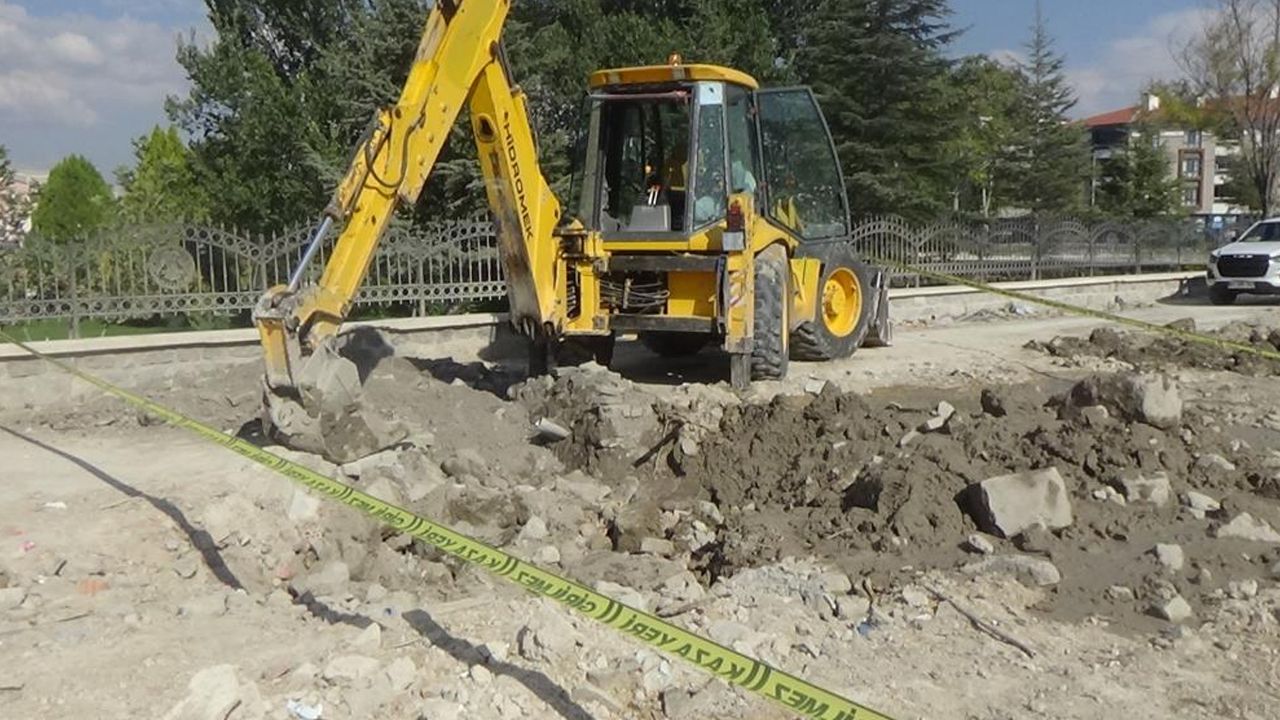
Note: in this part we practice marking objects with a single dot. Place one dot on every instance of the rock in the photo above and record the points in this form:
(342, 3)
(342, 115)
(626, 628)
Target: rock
(1138, 488)
(1175, 609)
(1030, 571)
(368, 642)
(910, 437)
(1171, 557)
(623, 594)
(480, 675)
(1213, 462)
(1095, 416)
(401, 673)
(547, 555)
(1151, 399)
(656, 546)
(440, 709)
(1120, 593)
(1275, 571)
(215, 694)
(993, 404)
(916, 597)
(941, 418)
(535, 529)
(836, 582)
(1035, 540)
(1247, 527)
(1009, 504)
(332, 579)
(815, 386)
(547, 638)
(1187, 325)
(980, 544)
(727, 632)
(1200, 504)
(1243, 589)
(349, 668)
(466, 462)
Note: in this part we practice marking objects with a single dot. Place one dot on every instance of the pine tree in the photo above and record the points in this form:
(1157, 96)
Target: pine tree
(878, 69)
(1054, 154)
(1137, 183)
(162, 185)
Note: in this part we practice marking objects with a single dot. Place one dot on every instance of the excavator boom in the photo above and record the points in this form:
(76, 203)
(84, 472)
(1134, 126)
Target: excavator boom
(459, 63)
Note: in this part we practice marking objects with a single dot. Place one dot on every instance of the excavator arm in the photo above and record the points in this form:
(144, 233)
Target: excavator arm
(459, 63)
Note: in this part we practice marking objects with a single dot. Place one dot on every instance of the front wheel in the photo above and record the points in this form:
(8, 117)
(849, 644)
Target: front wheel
(1220, 294)
(845, 308)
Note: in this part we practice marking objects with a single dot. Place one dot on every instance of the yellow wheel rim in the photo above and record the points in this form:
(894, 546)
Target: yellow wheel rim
(841, 302)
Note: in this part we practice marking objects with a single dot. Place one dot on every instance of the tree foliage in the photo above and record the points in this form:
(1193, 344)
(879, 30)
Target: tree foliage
(15, 208)
(879, 71)
(1054, 155)
(1137, 182)
(74, 202)
(1233, 64)
(987, 102)
(162, 184)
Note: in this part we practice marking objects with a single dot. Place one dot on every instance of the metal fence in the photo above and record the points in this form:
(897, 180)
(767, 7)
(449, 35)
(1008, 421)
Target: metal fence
(141, 272)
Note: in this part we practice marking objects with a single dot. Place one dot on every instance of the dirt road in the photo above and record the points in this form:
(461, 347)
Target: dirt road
(143, 574)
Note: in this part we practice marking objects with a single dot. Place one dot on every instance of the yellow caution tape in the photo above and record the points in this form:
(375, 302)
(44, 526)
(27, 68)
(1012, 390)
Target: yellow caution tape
(802, 697)
(1191, 337)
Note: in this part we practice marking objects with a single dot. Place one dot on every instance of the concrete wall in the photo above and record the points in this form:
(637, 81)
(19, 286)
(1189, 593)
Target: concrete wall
(160, 362)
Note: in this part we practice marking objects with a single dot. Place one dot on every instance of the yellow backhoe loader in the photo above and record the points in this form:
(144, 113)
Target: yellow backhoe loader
(705, 210)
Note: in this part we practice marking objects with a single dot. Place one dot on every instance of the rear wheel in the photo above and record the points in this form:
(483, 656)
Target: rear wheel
(770, 354)
(1220, 294)
(675, 344)
(845, 301)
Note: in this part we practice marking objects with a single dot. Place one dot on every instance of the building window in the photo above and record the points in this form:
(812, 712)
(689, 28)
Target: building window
(1191, 166)
(1194, 138)
(1191, 196)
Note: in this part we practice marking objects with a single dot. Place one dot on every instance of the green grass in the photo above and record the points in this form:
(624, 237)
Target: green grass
(61, 329)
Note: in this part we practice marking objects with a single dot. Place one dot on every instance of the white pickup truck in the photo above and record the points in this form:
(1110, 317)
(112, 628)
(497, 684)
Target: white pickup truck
(1249, 264)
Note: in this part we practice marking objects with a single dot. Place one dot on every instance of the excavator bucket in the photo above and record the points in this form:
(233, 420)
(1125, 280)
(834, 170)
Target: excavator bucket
(324, 412)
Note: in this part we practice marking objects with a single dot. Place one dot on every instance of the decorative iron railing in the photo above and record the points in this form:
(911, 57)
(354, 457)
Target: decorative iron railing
(140, 272)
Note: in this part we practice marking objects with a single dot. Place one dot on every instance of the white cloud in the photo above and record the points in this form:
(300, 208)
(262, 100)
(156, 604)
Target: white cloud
(1116, 77)
(76, 83)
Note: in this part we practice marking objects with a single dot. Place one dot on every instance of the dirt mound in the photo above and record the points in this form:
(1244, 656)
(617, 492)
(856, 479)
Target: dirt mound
(1151, 351)
(882, 489)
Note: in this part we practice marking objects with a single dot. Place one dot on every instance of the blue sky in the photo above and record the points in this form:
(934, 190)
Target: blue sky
(87, 76)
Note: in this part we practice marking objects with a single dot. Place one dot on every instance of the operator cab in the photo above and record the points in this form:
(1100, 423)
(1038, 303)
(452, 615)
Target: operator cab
(664, 148)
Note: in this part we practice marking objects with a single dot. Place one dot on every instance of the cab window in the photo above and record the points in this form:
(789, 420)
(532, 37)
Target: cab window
(805, 190)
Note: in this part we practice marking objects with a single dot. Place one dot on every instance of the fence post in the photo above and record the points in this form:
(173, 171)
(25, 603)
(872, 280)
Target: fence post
(73, 287)
(1035, 249)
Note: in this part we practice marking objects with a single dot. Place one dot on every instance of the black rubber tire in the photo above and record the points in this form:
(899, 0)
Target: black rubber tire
(1220, 294)
(813, 341)
(770, 356)
(675, 344)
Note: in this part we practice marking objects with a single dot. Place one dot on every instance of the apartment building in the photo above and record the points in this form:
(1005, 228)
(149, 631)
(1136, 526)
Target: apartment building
(1195, 157)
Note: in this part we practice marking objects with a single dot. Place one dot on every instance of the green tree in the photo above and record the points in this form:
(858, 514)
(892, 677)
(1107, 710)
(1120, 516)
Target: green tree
(1137, 183)
(74, 202)
(162, 184)
(987, 103)
(14, 207)
(878, 69)
(1054, 156)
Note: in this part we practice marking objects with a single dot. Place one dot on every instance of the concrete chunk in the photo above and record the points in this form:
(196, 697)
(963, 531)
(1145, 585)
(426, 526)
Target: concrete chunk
(1153, 490)
(1010, 504)
(1030, 571)
(1171, 557)
(1247, 527)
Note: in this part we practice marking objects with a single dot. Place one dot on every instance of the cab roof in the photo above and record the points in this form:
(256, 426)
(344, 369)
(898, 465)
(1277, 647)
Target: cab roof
(670, 73)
